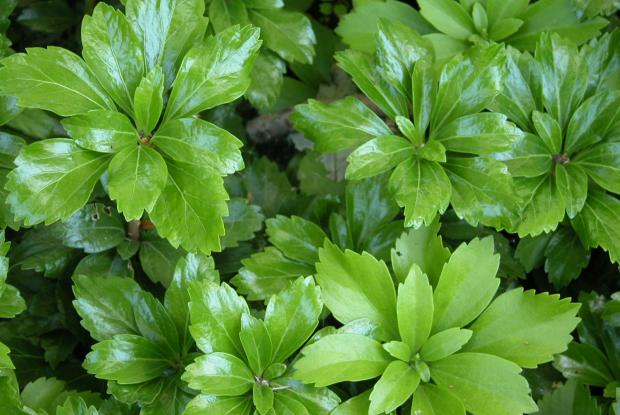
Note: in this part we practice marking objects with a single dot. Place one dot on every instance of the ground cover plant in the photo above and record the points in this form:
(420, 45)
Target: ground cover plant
(309, 207)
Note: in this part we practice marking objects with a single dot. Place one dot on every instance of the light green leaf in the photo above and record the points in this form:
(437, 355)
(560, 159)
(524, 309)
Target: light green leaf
(287, 33)
(148, 100)
(445, 343)
(106, 305)
(226, 13)
(448, 17)
(543, 207)
(393, 388)
(267, 273)
(198, 142)
(572, 398)
(467, 284)
(602, 163)
(398, 350)
(415, 309)
(529, 157)
(423, 188)
(422, 247)
(52, 180)
(75, 405)
(572, 183)
(267, 79)
(485, 384)
(482, 191)
(190, 208)
(219, 405)
(368, 78)
(262, 397)
(219, 374)
(113, 53)
(213, 74)
(341, 357)
(377, 156)
(338, 125)
(256, 343)
(316, 400)
(191, 268)
(483, 133)
(357, 286)
(498, 9)
(291, 317)
(103, 131)
(598, 224)
(524, 327)
(127, 359)
(215, 313)
(137, 177)
(298, 238)
(429, 399)
(423, 91)
(52, 79)
(549, 131)
(287, 405)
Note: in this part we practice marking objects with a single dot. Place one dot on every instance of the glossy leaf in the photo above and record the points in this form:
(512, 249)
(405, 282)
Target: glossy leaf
(297, 238)
(429, 399)
(393, 388)
(376, 156)
(219, 374)
(102, 131)
(415, 309)
(148, 100)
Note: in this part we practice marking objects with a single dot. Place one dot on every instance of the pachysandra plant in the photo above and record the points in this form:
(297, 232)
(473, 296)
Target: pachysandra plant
(442, 155)
(287, 35)
(245, 366)
(367, 224)
(130, 106)
(143, 344)
(453, 26)
(445, 341)
(568, 162)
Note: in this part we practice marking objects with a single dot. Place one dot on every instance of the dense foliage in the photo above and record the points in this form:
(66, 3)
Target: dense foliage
(268, 207)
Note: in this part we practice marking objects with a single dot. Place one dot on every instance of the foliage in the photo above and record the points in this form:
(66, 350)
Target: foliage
(309, 207)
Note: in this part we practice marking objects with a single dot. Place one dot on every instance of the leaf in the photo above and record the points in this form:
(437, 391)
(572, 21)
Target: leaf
(52, 79)
(113, 53)
(585, 363)
(525, 328)
(137, 177)
(292, 316)
(571, 399)
(158, 258)
(215, 313)
(242, 222)
(200, 143)
(341, 357)
(190, 208)
(566, 257)
(297, 238)
(262, 397)
(422, 247)
(598, 223)
(377, 156)
(368, 79)
(215, 73)
(226, 13)
(485, 384)
(393, 388)
(286, 405)
(104, 264)
(219, 405)
(127, 359)
(76, 406)
(467, 284)
(357, 286)
(148, 101)
(429, 399)
(267, 273)
(572, 183)
(483, 133)
(398, 48)
(423, 188)
(468, 83)
(103, 131)
(601, 162)
(106, 305)
(267, 78)
(52, 180)
(256, 343)
(358, 28)
(338, 125)
(156, 324)
(192, 268)
(94, 228)
(415, 309)
(448, 17)
(445, 343)
(543, 206)
(219, 374)
(498, 9)
(287, 33)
